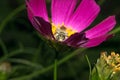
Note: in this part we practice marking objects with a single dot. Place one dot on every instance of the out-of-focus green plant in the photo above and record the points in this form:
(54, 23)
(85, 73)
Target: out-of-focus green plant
(10, 16)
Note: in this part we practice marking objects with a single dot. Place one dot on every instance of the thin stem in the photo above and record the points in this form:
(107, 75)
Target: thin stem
(36, 56)
(89, 65)
(15, 52)
(44, 70)
(36, 73)
(76, 52)
(10, 16)
(11, 54)
(25, 62)
(3, 47)
(55, 69)
(55, 63)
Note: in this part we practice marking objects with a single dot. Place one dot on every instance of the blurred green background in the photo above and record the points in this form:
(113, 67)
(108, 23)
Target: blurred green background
(25, 53)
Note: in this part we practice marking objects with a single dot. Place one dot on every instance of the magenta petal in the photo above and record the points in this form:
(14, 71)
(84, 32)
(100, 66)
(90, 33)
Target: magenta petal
(43, 27)
(61, 10)
(102, 28)
(96, 41)
(36, 8)
(84, 15)
(76, 40)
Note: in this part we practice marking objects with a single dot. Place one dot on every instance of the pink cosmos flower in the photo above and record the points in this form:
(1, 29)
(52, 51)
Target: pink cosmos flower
(68, 23)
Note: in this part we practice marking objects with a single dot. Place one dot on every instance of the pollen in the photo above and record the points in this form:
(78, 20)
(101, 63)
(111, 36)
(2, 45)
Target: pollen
(61, 33)
(112, 61)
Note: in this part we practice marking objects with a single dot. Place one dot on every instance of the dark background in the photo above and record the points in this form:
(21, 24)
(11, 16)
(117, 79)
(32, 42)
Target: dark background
(31, 53)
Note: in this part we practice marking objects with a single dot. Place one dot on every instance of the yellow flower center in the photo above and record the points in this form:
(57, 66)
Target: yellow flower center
(61, 33)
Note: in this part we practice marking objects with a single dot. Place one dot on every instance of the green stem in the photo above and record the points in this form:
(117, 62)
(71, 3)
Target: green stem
(37, 55)
(34, 74)
(55, 69)
(44, 70)
(25, 62)
(3, 47)
(10, 16)
(11, 54)
(116, 30)
(89, 66)
(15, 52)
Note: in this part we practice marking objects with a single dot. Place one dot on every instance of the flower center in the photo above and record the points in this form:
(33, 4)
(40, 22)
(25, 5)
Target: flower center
(60, 36)
(61, 33)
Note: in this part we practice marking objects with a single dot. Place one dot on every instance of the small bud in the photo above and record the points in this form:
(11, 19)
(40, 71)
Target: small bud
(5, 69)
